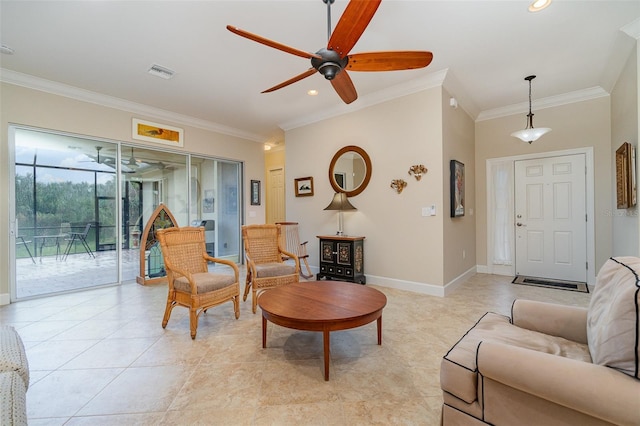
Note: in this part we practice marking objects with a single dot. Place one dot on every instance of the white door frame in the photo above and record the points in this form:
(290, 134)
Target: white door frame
(590, 208)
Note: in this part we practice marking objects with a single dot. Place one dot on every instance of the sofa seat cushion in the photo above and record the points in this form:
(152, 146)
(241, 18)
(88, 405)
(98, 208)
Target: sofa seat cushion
(458, 372)
(613, 327)
(12, 353)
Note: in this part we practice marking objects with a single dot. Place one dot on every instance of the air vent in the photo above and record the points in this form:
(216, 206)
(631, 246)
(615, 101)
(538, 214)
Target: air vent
(160, 71)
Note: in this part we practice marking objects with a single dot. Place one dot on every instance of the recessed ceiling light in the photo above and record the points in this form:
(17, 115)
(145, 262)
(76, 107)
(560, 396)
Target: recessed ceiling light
(160, 71)
(6, 50)
(312, 92)
(267, 147)
(538, 5)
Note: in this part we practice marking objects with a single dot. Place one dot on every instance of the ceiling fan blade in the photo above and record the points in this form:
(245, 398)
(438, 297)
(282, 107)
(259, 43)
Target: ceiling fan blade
(351, 25)
(344, 87)
(389, 61)
(272, 43)
(298, 77)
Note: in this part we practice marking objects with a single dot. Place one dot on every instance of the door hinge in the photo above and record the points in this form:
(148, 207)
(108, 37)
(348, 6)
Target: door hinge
(586, 265)
(586, 217)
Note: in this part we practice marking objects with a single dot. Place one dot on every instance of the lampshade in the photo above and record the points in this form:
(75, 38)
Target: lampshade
(530, 134)
(340, 202)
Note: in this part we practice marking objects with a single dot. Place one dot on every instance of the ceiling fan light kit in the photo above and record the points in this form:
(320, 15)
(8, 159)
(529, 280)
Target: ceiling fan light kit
(530, 133)
(334, 60)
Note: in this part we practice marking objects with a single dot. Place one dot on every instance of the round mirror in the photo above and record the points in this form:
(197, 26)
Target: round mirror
(350, 170)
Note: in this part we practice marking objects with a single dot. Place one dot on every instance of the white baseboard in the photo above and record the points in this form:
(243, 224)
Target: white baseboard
(506, 270)
(452, 285)
(5, 299)
(418, 287)
(482, 269)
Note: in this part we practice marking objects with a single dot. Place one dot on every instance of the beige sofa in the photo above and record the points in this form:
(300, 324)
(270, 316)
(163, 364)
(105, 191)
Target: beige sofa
(14, 378)
(550, 364)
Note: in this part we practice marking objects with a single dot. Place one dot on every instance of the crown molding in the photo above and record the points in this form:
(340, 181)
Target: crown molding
(414, 86)
(43, 85)
(632, 29)
(549, 102)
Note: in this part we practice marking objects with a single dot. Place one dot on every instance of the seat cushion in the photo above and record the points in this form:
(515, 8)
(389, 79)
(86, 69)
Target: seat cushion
(613, 329)
(205, 282)
(12, 353)
(275, 269)
(458, 371)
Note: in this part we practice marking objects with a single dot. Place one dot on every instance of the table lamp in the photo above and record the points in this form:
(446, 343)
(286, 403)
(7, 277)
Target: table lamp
(341, 203)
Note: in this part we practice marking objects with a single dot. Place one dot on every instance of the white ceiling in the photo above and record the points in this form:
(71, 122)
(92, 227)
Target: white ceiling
(484, 48)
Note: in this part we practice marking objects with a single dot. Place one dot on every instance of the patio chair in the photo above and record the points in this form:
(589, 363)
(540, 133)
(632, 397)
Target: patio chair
(290, 241)
(190, 283)
(81, 237)
(21, 240)
(265, 266)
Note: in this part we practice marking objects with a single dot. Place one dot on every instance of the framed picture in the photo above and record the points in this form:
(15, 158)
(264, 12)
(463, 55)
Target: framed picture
(304, 186)
(158, 133)
(625, 176)
(457, 188)
(255, 192)
(208, 204)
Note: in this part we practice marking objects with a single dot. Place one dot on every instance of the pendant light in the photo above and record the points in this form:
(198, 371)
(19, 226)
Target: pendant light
(530, 134)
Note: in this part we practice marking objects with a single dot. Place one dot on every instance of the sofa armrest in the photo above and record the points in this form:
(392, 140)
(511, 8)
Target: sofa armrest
(569, 322)
(591, 389)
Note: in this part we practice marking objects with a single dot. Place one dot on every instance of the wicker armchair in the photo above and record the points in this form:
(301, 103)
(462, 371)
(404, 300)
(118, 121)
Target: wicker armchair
(190, 283)
(290, 240)
(265, 265)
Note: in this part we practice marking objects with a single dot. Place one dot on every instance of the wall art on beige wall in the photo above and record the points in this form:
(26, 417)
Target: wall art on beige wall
(625, 176)
(157, 133)
(457, 188)
(304, 186)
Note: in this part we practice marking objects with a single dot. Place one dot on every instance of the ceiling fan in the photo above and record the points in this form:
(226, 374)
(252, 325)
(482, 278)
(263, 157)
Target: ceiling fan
(334, 60)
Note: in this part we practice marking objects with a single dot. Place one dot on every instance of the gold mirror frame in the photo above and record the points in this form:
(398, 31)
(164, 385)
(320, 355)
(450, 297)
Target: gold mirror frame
(367, 174)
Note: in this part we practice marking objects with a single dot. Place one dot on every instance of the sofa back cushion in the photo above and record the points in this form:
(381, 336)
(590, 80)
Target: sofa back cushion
(613, 326)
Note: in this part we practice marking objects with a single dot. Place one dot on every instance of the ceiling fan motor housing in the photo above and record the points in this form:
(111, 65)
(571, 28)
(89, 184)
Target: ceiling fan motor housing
(331, 64)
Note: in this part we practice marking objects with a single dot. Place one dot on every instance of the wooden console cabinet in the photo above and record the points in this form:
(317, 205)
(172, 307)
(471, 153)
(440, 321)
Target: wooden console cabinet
(341, 259)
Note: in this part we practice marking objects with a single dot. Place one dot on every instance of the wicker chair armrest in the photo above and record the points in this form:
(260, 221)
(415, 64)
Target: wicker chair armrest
(294, 257)
(233, 265)
(173, 273)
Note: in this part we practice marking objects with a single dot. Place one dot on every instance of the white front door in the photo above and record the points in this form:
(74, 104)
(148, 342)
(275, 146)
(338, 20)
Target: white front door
(550, 217)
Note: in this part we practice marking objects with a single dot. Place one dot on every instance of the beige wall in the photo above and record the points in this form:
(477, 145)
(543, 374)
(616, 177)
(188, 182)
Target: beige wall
(577, 125)
(402, 248)
(624, 128)
(459, 233)
(48, 111)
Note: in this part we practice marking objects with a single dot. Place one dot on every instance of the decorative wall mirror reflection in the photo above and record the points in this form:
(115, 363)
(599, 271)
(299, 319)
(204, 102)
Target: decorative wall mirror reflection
(350, 170)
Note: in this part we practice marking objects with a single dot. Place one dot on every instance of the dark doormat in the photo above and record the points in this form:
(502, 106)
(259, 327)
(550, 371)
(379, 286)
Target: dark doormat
(550, 283)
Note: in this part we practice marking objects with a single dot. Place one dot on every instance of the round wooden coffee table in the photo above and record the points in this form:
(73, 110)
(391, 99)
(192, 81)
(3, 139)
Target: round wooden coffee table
(322, 306)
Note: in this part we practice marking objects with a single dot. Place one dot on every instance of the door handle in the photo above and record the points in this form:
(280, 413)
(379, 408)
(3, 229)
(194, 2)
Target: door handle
(520, 224)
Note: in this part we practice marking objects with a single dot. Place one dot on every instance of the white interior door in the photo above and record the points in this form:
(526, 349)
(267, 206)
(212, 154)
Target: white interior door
(551, 222)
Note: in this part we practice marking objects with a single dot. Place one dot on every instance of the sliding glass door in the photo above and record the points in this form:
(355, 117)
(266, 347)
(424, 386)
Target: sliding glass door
(81, 206)
(58, 218)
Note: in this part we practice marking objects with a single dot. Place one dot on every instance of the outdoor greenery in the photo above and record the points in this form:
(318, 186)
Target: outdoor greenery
(59, 203)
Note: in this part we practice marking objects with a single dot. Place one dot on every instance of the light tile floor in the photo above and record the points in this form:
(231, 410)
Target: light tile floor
(101, 357)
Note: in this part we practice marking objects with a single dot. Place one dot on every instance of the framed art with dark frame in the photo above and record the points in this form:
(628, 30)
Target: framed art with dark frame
(625, 176)
(457, 188)
(304, 186)
(255, 192)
